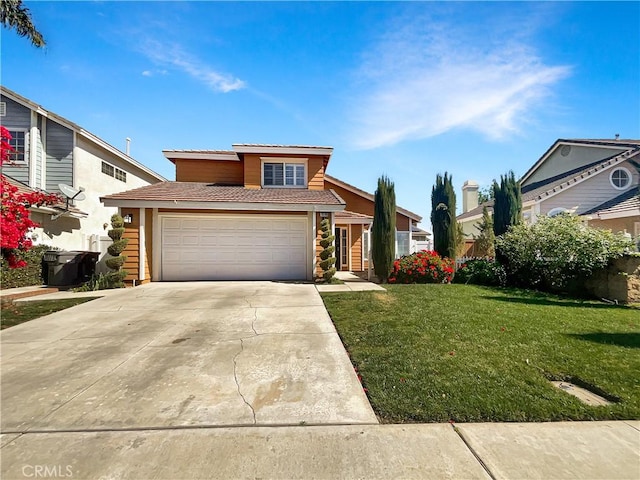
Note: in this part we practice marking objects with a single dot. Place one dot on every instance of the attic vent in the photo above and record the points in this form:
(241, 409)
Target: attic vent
(3, 109)
(565, 150)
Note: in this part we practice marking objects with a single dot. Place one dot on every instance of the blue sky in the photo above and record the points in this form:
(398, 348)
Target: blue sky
(406, 89)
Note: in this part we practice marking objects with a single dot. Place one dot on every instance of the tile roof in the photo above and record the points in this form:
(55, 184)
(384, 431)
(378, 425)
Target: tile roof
(368, 196)
(348, 214)
(231, 152)
(419, 231)
(272, 145)
(207, 192)
(629, 200)
(476, 211)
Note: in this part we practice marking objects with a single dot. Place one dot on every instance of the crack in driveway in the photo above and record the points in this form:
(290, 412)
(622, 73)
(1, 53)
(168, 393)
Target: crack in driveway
(235, 377)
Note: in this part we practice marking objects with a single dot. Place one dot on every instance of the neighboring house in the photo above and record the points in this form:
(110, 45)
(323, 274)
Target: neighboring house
(596, 179)
(251, 213)
(420, 239)
(51, 150)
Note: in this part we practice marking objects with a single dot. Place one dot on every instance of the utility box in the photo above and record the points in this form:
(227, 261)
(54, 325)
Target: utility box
(62, 268)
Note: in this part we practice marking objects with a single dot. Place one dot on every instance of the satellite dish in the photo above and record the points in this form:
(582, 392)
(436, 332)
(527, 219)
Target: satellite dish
(72, 193)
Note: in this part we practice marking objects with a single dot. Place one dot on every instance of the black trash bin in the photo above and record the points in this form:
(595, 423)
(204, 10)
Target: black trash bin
(69, 268)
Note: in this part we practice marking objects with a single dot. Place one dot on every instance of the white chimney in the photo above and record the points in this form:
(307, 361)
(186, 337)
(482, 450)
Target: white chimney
(469, 196)
(128, 150)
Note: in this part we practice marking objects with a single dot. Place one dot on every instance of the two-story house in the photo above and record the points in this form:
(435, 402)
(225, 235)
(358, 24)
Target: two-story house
(51, 151)
(596, 179)
(250, 213)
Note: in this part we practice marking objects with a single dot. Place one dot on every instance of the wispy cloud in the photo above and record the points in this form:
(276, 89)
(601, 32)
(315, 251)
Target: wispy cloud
(172, 55)
(428, 77)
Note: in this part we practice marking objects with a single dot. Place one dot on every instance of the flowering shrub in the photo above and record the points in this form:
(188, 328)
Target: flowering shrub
(481, 271)
(422, 267)
(14, 219)
(557, 251)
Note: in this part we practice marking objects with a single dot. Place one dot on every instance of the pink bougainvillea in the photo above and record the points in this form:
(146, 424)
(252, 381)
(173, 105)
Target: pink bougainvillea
(15, 222)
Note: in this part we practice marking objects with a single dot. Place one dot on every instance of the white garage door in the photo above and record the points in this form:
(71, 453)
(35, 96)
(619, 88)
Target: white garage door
(248, 247)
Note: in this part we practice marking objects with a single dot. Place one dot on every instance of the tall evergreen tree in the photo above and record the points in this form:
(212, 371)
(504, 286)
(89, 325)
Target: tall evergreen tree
(14, 14)
(507, 207)
(443, 216)
(383, 231)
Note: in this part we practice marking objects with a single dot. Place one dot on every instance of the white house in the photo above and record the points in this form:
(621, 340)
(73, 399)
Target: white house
(51, 150)
(595, 178)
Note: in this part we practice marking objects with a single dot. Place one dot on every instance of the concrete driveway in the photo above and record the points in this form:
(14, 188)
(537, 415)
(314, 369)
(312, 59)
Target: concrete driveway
(181, 354)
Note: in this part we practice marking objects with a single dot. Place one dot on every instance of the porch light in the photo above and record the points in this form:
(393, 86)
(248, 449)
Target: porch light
(128, 218)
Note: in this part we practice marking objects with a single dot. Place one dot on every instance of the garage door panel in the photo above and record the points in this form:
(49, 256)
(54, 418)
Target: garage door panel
(235, 248)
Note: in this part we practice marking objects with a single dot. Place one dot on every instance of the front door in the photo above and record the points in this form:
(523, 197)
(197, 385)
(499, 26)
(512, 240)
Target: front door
(342, 249)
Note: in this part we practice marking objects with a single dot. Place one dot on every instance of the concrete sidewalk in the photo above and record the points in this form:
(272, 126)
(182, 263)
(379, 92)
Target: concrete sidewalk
(352, 283)
(565, 450)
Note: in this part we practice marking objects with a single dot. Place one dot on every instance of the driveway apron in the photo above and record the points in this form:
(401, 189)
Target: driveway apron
(179, 355)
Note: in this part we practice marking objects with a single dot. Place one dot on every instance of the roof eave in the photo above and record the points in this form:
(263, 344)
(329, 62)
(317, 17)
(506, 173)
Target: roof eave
(214, 205)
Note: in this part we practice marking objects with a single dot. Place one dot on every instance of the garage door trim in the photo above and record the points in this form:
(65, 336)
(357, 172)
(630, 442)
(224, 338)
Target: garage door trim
(159, 233)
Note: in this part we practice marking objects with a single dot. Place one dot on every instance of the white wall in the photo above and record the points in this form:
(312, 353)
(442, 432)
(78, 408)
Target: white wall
(76, 234)
(590, 193)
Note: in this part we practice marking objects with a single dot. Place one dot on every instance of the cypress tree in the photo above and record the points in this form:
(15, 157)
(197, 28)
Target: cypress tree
(443, 216)
(383, 231)
(507, 207)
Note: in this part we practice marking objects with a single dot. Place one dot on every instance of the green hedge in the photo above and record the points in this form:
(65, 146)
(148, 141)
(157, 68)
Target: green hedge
(26, 276)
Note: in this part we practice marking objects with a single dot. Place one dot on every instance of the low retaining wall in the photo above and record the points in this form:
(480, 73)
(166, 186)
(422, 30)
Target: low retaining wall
(620, 281)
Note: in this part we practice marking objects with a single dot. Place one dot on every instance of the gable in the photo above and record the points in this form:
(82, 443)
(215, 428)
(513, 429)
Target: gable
(364, 204)
(590, 193)
(566, 157)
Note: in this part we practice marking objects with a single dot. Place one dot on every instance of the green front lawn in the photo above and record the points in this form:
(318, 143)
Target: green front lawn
(17, 313)
(434, 353)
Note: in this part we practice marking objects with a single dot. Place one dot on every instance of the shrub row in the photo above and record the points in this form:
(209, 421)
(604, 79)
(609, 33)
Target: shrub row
(25, 276)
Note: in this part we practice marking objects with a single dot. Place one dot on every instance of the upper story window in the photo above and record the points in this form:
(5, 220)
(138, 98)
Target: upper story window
(19, 142)
(114, 172)
(284, 174)
(620, 178)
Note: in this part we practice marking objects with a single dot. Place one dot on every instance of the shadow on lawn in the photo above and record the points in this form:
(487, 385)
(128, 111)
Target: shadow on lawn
(630, 340)
(552, 302)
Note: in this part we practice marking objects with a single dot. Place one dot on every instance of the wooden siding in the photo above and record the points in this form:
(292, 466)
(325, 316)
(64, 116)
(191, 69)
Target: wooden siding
(17, 117)
(39, 153)
(590, 193)
(132, 252)
(148, 232)
(315, 173)
(356, 248)
(252, 171)
(59, 144)
(211, 171)
(358, 204)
